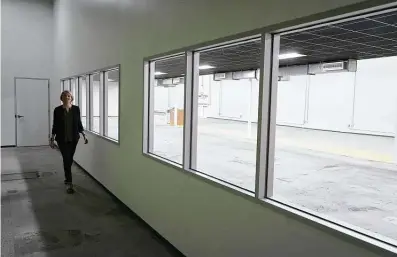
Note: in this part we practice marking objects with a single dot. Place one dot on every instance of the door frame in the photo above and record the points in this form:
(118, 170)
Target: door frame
(16, 104)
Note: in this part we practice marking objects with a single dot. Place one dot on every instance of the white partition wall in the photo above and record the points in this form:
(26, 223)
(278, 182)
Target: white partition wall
(162, 94)
(375, 107)
(234, 99)
(359, 102)
(331, 101)
(175, 96)
(291, 98)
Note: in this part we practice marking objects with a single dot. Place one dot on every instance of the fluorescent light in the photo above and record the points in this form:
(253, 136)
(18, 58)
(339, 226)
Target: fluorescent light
(206, 67)
(159, 73)
(289, 56)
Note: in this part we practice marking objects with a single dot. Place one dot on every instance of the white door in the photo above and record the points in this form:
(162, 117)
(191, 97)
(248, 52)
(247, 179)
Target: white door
(32, 112)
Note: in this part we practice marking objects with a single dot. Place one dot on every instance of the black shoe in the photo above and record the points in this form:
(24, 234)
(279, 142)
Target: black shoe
(70, 189)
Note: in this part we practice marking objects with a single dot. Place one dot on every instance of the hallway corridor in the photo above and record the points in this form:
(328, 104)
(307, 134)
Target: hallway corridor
(39, 219)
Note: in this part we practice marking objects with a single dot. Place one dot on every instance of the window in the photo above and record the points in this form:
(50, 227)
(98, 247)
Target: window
(167, 108)
(225, 113)
(304, 118)
(112, 103)
(96, 92)
(330, 113)
(66, 84)
(83, 99)
(74, 91)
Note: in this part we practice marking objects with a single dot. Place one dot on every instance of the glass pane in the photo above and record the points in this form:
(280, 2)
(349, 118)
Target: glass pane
(95, 126)
(96, 87)
(113, 104)
(66, 85)
(73, 86)
(62, 86)
(168, 113)
(332, 157)
(228, 113)
(113, 127)
(84, 121)
(83, 106)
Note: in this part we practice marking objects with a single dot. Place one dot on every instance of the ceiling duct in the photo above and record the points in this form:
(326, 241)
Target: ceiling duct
(250, 74)
(219, 76)
(223, 76)
(284, 78)
(171, 82)
(341, 66)
(295, 70)
(333, 66)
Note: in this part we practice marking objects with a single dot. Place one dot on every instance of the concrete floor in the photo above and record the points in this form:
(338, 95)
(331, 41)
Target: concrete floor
(344, 177)
(39, 219)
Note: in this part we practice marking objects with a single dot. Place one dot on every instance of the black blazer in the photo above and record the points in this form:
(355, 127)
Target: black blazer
(58, 127)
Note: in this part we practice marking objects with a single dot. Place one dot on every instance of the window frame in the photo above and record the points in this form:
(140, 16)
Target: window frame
(149, 79)
(106, 102)
(100, 103)
(103, 101)
(267, 103)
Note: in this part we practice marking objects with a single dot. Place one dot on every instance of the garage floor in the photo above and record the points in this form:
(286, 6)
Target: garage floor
(38, 219)
(344, 177)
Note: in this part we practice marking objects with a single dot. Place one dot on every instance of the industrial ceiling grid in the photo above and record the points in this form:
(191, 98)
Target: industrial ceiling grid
(364, 38)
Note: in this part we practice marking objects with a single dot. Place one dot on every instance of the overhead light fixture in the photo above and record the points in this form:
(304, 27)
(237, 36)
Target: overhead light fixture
(289, 56)
(159, 73)
(206, 67)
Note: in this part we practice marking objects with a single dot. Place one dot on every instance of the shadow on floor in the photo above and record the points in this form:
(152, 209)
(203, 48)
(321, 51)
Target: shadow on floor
(40, 219)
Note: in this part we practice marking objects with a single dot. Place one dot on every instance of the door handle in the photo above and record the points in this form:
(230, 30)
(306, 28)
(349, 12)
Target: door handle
(18, 116)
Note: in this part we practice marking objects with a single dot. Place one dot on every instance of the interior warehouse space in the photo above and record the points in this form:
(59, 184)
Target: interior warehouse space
(200, 128)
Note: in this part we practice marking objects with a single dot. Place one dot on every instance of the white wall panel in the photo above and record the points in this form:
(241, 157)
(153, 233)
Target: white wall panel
(213, 86)
(331, 101)
(235, 95)
(375, 95)
(291, 100)
(161, 99)
(175, 96)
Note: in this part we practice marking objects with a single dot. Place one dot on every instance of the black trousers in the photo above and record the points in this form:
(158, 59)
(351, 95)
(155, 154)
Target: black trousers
(67, 149)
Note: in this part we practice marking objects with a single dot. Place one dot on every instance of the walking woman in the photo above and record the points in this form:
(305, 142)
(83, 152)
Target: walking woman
(66, 131)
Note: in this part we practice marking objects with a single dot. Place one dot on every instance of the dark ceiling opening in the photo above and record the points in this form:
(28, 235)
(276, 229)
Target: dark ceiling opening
(363, 38)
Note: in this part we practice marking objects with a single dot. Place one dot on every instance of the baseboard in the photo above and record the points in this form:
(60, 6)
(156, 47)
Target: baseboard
(170, 248)
(8, 146)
